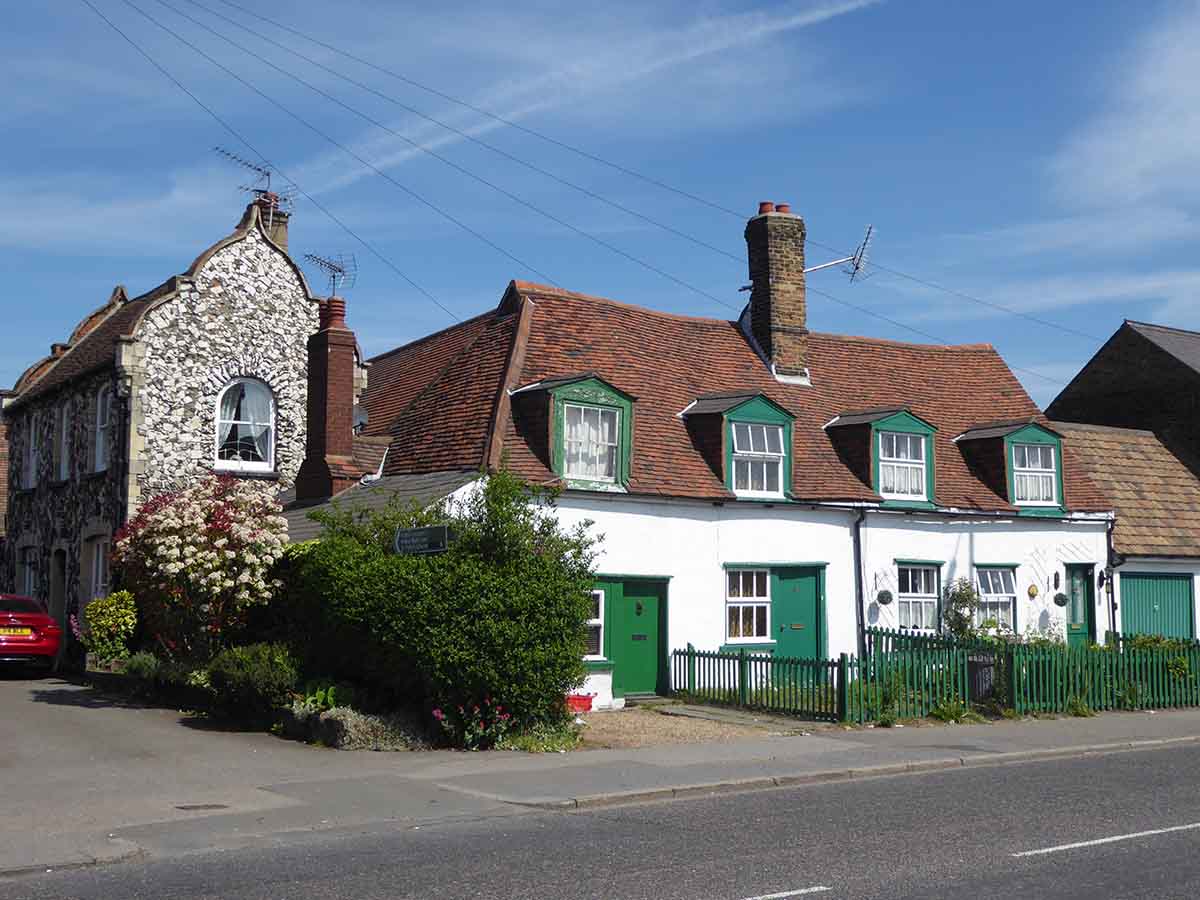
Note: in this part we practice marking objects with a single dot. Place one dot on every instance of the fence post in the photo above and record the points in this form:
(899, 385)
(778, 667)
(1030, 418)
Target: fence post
(843, 688)
(743, 678)
(1010, 659)
(691, 670)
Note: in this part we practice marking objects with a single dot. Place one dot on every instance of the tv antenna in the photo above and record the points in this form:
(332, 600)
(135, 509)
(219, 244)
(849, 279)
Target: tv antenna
(283, 200)
(855, 265)
(341, 270)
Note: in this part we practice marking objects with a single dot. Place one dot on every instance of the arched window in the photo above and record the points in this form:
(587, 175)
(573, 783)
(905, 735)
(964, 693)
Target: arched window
(246, 427)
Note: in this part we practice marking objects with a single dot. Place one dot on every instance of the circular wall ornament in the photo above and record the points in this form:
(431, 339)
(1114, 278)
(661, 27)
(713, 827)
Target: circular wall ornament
(1061, 599)
(1033, 591)
(883, 598)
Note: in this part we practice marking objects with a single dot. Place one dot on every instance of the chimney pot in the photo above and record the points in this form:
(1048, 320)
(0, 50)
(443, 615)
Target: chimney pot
(335, 313)
(783, 207)
(766, 206)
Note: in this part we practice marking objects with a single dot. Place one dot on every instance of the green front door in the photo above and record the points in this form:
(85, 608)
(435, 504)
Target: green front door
(796, 611)
(1081, 606)
(1153, 603)
(636, 615)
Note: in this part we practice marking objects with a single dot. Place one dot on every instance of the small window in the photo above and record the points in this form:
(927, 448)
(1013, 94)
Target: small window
(748, 604)
(33, 451)
(902, 466)
(592, 442)
(63, 444)
(998, 597)
(103, 428)
(245, 427)
(28, 574)
(1034, 475)
(758, 459)
(595, 628)
(100, 580)
(917, 604)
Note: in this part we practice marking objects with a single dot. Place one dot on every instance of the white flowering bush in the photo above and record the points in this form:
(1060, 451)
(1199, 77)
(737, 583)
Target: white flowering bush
(198, 559)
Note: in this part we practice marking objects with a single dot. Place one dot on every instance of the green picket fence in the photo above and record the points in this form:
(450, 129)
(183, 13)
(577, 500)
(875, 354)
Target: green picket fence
(807, 688)
(906, 683)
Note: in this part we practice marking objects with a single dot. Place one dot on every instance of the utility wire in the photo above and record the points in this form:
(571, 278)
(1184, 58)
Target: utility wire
(313, 128)
(466, 135)
(625, 170)
(546, 214)
(714, 298)
(243, 140)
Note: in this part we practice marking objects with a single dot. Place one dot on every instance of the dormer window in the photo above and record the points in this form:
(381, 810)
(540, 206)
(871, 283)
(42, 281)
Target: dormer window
(757, 459)
(1034, 474)
(592, 442)
(902, 466)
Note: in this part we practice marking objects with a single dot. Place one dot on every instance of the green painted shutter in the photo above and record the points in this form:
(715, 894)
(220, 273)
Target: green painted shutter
(1153, 603)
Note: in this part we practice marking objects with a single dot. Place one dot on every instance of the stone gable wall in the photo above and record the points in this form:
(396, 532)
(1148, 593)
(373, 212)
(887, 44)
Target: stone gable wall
(246, 314)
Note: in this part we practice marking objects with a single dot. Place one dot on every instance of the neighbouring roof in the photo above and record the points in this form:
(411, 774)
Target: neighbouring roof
(444, 399)
(1182, 344)
(421, 489)
(1156, 497)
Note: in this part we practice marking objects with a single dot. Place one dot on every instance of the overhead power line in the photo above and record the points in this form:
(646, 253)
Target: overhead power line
(625, 170)
(245, 142)
(332, 140)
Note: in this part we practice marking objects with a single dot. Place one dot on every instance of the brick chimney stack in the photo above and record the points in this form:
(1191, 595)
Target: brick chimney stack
(328, 462)
(274, 219)
(778, 308)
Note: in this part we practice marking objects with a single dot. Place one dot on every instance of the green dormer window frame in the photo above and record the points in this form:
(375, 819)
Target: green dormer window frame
(594, 397)
(757, 415)
(904, 426)
(1020, 448)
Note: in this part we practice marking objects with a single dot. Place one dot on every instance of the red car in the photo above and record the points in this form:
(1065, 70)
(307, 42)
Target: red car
(28, 634)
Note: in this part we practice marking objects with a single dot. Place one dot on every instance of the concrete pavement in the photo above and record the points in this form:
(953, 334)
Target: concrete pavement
(88, 778)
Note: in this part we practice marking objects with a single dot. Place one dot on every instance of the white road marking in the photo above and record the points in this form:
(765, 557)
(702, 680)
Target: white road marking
(1109, 840)
(816, 889)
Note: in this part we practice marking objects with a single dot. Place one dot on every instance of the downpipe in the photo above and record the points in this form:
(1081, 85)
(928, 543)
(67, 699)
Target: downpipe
(858, 583)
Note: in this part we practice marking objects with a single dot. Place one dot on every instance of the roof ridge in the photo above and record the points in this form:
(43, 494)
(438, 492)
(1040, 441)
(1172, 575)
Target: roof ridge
(891, 342)
(1173, 328)
(1091, 426)
(530, 287)
(421, 340)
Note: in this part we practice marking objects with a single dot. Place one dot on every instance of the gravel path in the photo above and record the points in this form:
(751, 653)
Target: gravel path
(639, 727)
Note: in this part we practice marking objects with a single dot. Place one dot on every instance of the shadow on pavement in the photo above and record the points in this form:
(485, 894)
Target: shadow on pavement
(83, 699)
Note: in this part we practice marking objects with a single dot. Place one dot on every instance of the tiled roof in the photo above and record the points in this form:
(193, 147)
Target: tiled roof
(1157, 498)
(1182, 344)
(439, 395)
(369, 452)
(420, 489)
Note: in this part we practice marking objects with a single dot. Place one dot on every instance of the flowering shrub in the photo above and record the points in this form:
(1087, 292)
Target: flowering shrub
(107, 625)
(199, 558)
(476, 726)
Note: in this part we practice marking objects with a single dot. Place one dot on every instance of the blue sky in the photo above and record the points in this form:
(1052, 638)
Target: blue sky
(1038, 155)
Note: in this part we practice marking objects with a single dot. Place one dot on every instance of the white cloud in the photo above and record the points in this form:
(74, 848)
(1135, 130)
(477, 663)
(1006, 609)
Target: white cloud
(1145, 143)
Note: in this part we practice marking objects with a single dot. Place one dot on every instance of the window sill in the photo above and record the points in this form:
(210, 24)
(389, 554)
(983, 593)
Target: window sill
(598, 665)
(891, 503)
(249, 475)
(59, 483)
(95, 476)
(753, 646)
(1054, 510)
(608, 487)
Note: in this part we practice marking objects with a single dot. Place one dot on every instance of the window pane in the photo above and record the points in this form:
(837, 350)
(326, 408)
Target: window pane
(741, 475)
(747, 584)
(760, 584)
(903, 580)
(756, 476)
(741, 438)
(596, 604)
(888, 445)
(747, 621)
(1020, 459)
(735, 622)
(593, 640)
(608, 426)
(905, 614)
(774, 439)
(734, 583)
(758, 439)
(1007, 579)
(772, 472)
(760, 621)
(887, 479)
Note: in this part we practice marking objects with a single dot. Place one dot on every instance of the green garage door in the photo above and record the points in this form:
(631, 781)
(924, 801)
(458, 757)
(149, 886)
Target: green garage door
(1157, 604)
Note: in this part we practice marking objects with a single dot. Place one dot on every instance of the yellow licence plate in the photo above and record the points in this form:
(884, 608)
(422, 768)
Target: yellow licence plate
(19, 632)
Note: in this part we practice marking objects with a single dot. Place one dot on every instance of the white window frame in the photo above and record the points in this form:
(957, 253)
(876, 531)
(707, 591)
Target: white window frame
(741, 602)
(926, 596)
(237, 465)
(100, 586)
(614, 446)
(103, 429)
(64, 442)
(33, 451)
(597, 623)
(989, 597)
(749, 457)
(904, 465)
(1039, 472)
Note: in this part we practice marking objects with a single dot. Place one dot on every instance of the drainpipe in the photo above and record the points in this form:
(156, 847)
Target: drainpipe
(1114, 560)
(858, 582)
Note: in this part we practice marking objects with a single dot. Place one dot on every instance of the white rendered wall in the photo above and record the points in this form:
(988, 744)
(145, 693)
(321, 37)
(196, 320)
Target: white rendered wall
(1039, 548)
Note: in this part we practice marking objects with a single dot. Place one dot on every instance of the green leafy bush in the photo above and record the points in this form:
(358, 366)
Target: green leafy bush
(107, 626)
(253, 683)
(143, 666)
(322, 695)
(500, 615)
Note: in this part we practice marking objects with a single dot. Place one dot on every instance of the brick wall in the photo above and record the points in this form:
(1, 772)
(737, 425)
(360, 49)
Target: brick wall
(778, 304)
